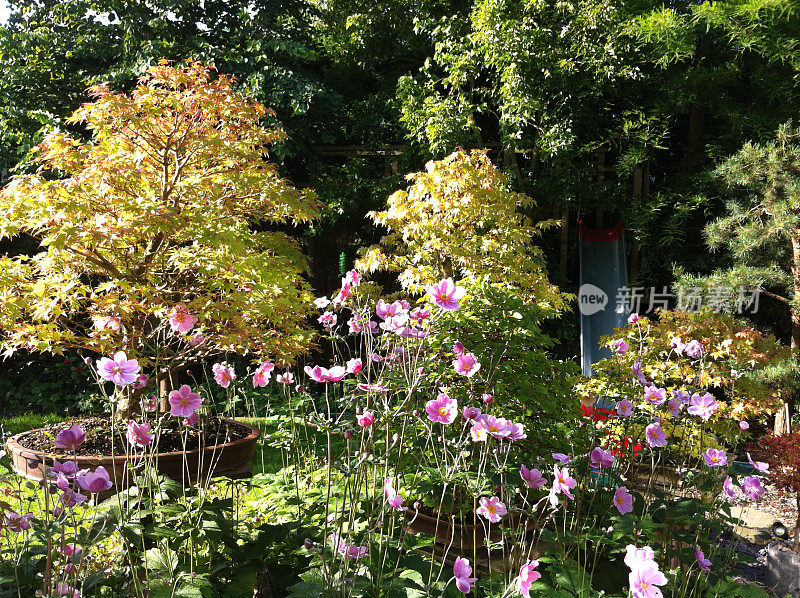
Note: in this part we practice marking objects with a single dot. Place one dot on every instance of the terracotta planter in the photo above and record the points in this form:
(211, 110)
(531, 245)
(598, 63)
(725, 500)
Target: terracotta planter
(232, 459)
(464, 537)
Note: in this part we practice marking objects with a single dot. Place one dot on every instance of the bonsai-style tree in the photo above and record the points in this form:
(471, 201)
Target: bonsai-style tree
(459, 217)
(782, 454)
(154, 233)
(761, 230)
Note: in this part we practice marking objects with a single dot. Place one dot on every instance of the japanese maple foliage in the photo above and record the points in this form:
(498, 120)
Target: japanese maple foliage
(782, 454)
(151, 221)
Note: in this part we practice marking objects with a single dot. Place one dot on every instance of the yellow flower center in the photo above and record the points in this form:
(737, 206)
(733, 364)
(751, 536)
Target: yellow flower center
(116, 369)
(443, 411)
(180, 317)
(494, 429)
(620, 500)
(715, 459)
(644, 586)
(491, 509)
(184, 401)
(442, 297)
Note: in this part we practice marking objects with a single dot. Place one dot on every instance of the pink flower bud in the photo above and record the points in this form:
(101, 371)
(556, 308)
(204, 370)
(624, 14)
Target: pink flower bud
(487, 398)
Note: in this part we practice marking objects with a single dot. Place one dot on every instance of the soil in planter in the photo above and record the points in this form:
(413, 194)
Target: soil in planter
(214, 431)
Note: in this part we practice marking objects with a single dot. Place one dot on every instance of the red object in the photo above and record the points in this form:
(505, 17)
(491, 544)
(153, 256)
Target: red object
(601, 234)
(596, 413)
(625, 447)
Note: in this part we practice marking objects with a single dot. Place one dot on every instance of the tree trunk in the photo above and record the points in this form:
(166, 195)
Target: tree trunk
(128, 404)
(164, 387)
(797, 525)
(783, 417)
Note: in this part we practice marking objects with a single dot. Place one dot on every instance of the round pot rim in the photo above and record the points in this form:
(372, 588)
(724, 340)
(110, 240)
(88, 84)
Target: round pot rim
(15, 447)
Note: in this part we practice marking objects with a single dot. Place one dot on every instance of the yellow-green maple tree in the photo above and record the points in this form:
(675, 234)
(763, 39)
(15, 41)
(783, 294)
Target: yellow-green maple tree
(161, 207)
(459, 217)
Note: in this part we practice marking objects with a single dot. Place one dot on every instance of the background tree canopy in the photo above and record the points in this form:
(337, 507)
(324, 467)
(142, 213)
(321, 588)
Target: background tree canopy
(660, 90)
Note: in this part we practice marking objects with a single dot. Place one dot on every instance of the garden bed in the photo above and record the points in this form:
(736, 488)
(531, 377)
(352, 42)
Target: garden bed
(99, 440)
(219, 447)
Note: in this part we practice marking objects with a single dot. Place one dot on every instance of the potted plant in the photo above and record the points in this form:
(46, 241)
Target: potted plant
(156, 244)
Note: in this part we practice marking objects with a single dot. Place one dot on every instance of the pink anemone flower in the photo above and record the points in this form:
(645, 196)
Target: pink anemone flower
(715, 458)
(645, 579)
(285, 378)
(348, 550)
(386, 311)
(471, 413)
(702, 561)
(752, 488)
(466, 364)
(498, 427)
(320, 374)
(727, 487)
(563, 481)
(393, 499)
(758, 465)
(479, 432)
(343, 294)
(120, 370)
(461, 573)
(655, 435)
(419, 314)
(624, 408)
(702, 406)
(365, 420)
(67, 468)
(527, 575)
(263, 374)
(619, 346)
(674, 407)
(223, 374)
(491, 509)
(71, 439)
(694, 349)
(328, 319)
(561, 458)
(601, 458)
(654, 395)
(623, 500)
(533, 478)
(354, 366)
(442, 409)
(183, 401)
(95, 481)
(353, 278)
(139, 434)
(196, 340)
(181, 320)
(445, 294)
(18, 523)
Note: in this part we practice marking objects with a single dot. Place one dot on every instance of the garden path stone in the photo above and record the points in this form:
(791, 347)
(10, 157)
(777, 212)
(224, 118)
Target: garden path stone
(756, 524)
